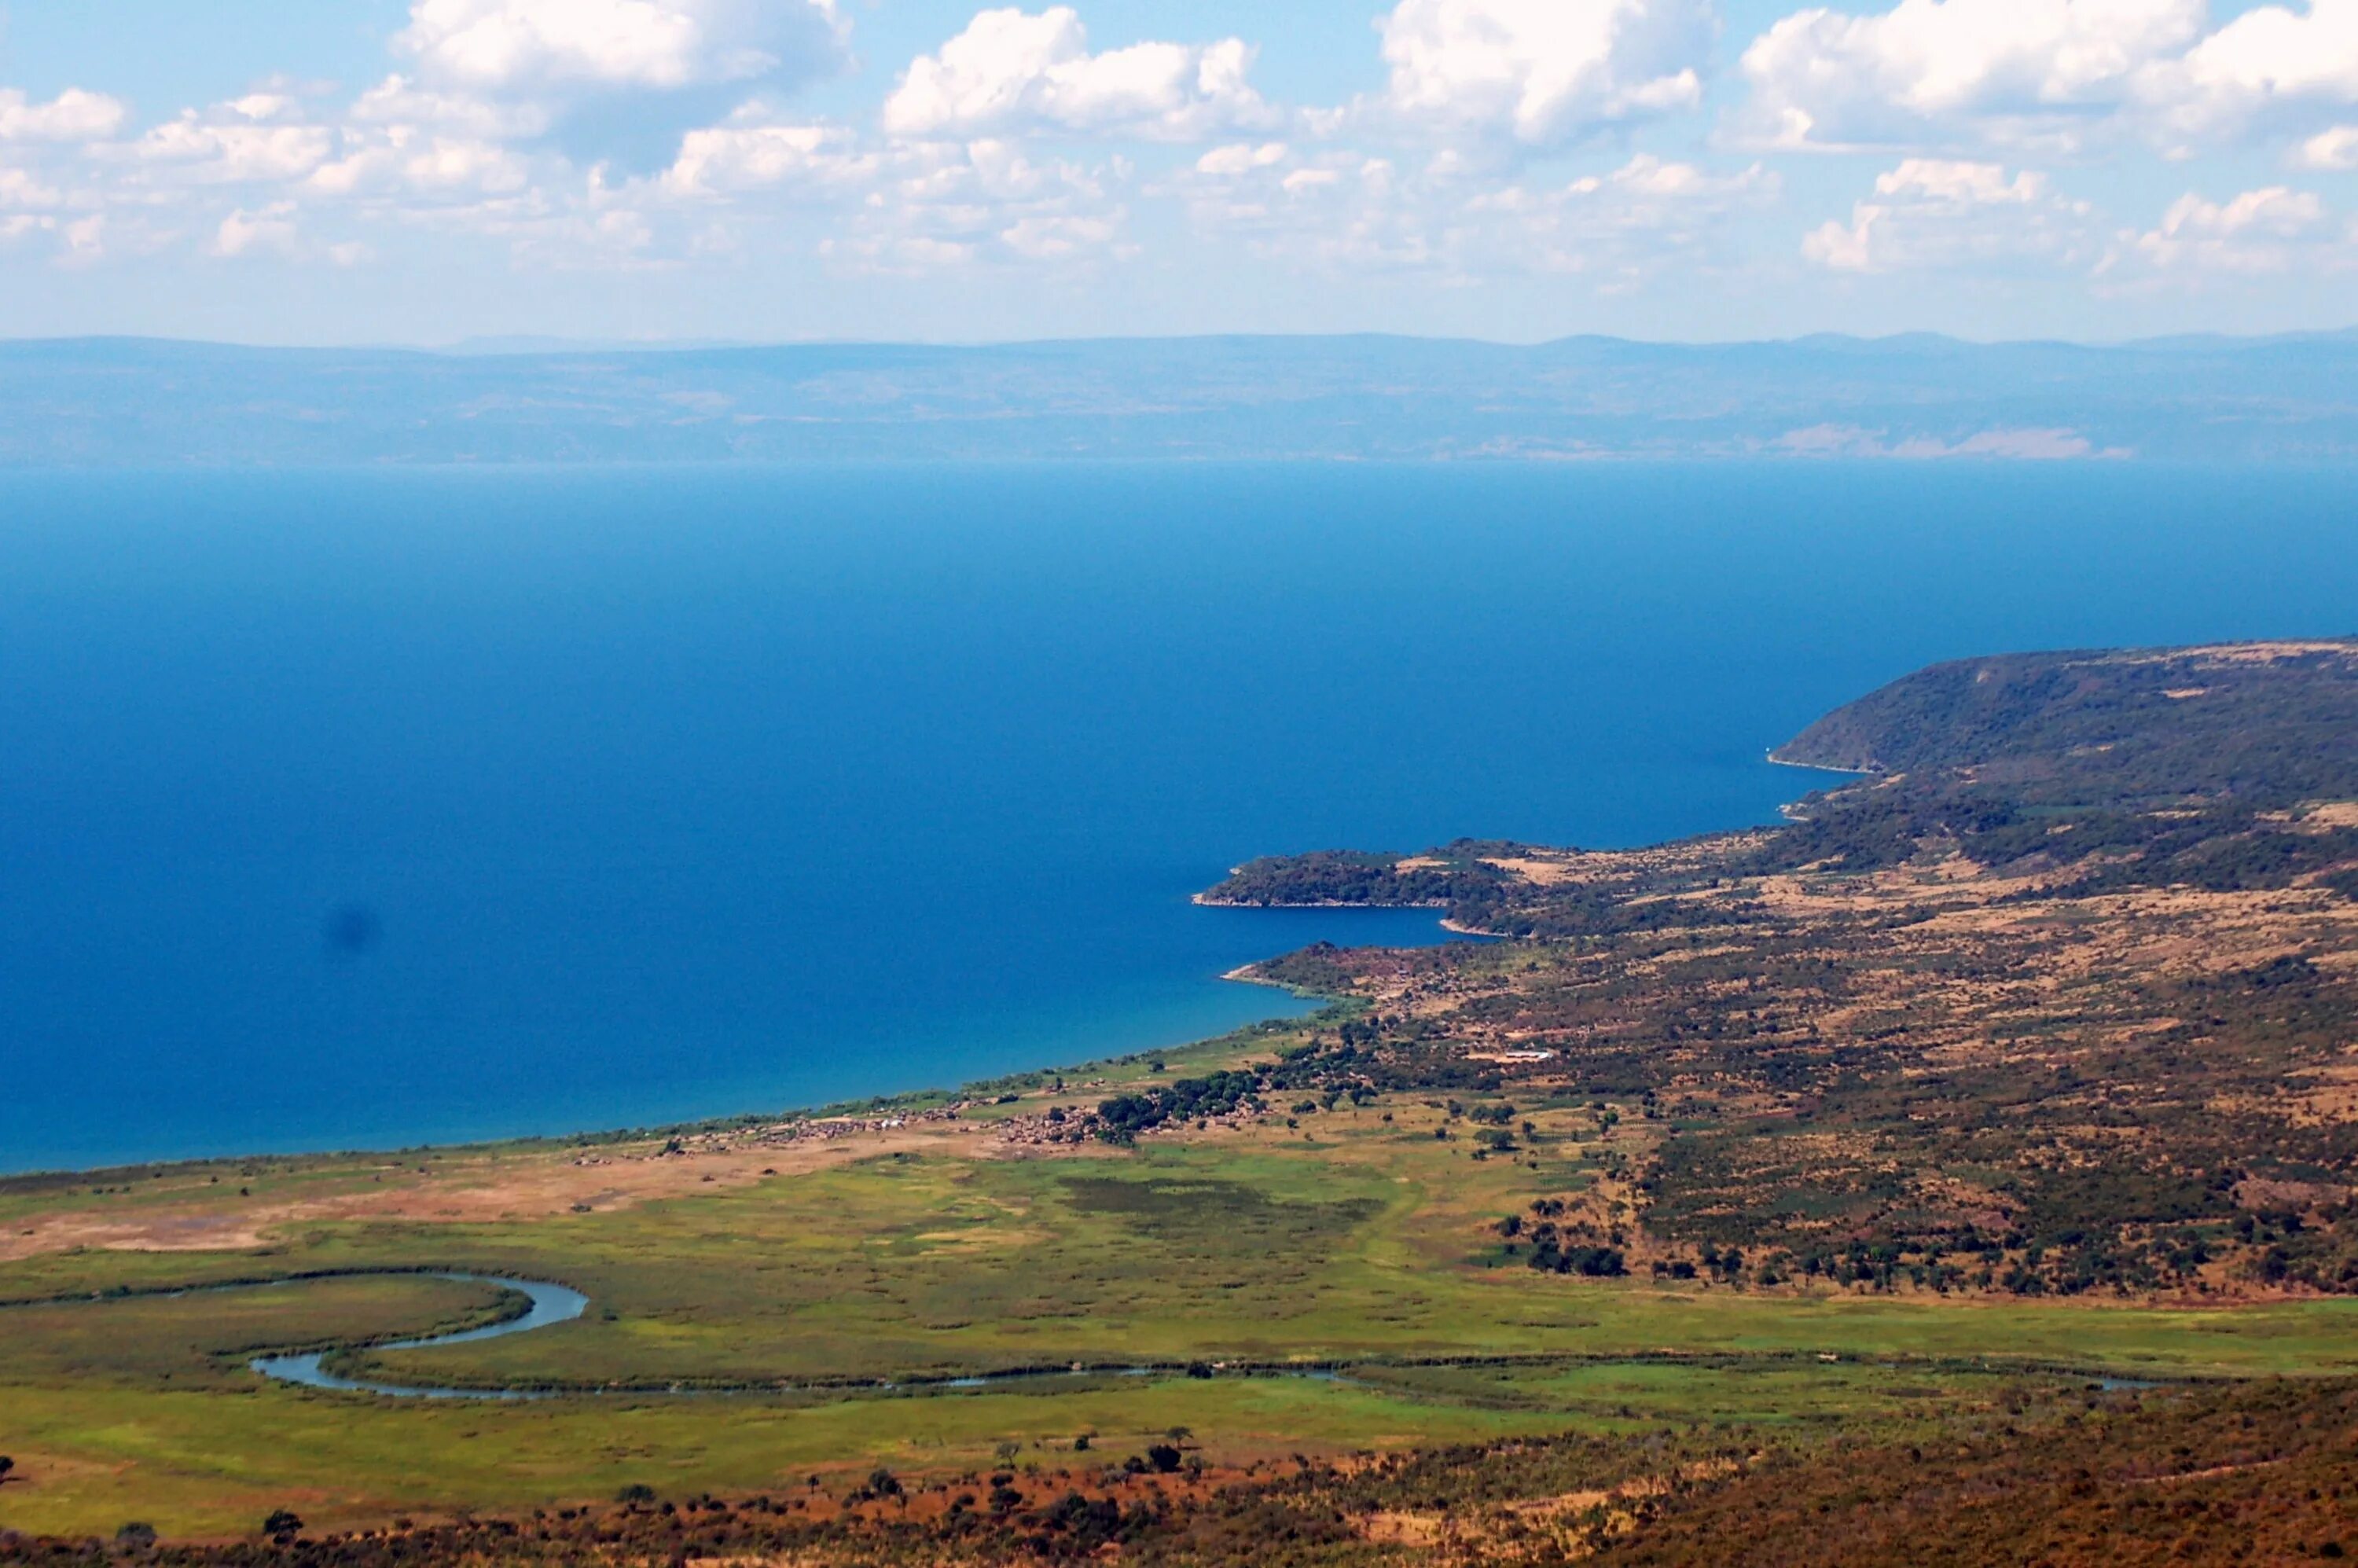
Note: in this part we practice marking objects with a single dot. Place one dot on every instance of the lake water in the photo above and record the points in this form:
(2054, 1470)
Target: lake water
(370, 809)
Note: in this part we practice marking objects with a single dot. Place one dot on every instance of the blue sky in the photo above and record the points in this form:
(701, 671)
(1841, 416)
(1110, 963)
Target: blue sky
(429, 170)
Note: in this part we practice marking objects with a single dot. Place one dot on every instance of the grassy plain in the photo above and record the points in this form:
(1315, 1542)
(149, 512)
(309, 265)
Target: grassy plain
(740, 1328)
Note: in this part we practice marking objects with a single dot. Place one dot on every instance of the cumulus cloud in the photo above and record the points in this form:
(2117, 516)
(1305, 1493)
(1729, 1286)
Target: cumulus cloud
(2271, 229)
(21, 190)
(538, 46)
(406, 160)
(947, 203)
(1623, 227)
(1543, 73)
(261, 137)
(1927, 70)
(752, 157)
(603, 80)
(1240, 157)
(399, 99)
(1013, 71)
(2054, 74)
(1330, 208)
(1939, 213)
(2266, 65)
(269, 230)
(72, 115)
(2334, 149)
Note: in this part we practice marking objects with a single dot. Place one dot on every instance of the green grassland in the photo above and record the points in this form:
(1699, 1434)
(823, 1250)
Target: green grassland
(738, 1336)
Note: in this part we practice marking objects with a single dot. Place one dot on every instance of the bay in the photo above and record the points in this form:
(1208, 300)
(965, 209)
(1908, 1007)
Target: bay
(348, 809)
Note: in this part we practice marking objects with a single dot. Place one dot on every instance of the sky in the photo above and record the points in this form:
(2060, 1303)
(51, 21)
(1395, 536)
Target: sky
(436, 171)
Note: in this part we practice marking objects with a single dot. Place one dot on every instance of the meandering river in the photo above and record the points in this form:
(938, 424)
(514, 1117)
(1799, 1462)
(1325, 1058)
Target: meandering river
(550, 1304)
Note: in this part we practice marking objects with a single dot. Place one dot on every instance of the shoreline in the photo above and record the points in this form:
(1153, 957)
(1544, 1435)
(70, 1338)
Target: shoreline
(1241, 975)
(1205, 901)
(1775, 761)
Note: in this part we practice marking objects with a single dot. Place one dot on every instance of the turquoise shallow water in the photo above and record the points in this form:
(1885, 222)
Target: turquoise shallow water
(363, 809)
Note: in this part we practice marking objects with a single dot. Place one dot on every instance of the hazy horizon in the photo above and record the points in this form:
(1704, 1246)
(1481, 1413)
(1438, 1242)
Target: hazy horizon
(521, 343)
(132, 402)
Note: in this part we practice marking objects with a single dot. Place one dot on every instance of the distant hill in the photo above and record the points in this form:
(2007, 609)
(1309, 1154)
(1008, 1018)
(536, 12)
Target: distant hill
(120, 402)
(2269, 724)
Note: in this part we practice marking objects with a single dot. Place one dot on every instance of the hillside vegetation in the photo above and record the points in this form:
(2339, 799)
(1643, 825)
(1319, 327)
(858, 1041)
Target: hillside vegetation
(2059, 997)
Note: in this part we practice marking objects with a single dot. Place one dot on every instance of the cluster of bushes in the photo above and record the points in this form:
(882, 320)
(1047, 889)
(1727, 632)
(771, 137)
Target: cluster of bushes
(1437, 879)
(1549, 1255)
(1121, 1118)
(1553, 1251)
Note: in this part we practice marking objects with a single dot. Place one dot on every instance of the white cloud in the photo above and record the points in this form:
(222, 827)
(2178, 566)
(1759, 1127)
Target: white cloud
(1059, 239)
(736, 158)
(407, 160)
(1618, 228)
(1240, 156)
(943, 204)
(2334, 149)
(22, 190)
(603, 81)
(1011, 71)
(77, 242)
(254, 140)
(2269, 62)
(400, 100)
(2054, 74)
(1940, 213)
(73, 116)
(270, 231)
(896, 206)
(86, 238)
(530, 46)
(1348, 210)
(1543, 73)
(1929, 70)
(2271, 229)
(476, 140)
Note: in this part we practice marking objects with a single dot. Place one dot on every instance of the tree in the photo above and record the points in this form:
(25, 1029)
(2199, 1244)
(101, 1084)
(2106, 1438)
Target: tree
(6, 1465)
(135, 1537)
(636, 1492)
(282, 1521)
(1163, 1457)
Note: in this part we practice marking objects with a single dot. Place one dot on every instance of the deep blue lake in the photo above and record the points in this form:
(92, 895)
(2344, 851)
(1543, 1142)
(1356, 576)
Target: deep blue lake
(371, 809)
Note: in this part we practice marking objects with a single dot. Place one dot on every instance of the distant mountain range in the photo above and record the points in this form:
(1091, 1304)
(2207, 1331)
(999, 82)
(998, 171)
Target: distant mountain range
(123, 402)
